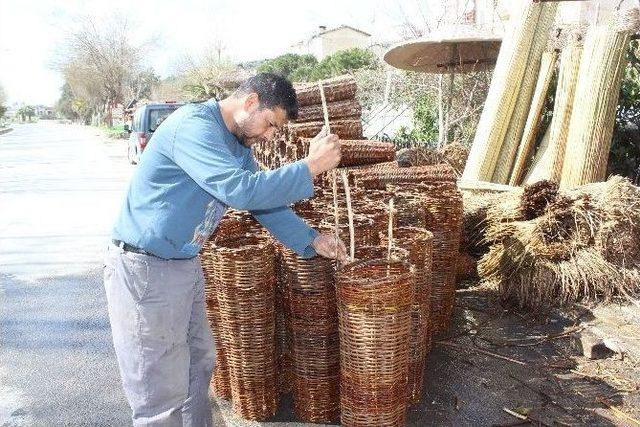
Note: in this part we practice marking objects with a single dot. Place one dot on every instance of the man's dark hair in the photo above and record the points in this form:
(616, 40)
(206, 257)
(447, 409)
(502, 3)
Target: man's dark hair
(273, 91)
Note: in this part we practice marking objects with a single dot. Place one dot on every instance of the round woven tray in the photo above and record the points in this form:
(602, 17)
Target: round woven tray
(374, 307)
(313, 325)
(418, 242)
(244, 273)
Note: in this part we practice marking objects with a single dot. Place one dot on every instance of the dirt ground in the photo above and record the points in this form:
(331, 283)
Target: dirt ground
(504, 367)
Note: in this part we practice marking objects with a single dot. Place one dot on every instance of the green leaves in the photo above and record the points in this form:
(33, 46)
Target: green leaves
(306, 68)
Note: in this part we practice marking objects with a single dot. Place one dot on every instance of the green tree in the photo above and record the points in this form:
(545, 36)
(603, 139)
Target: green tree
(425, 120)
(64, 106)
(292, 66)
(26, 113)
(3, 101)
(343, 62)
(624, 158)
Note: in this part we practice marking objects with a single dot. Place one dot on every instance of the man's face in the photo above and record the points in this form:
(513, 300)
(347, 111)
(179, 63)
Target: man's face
(257, 124)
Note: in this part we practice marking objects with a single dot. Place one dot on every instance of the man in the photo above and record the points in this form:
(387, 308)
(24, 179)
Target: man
(198, 162)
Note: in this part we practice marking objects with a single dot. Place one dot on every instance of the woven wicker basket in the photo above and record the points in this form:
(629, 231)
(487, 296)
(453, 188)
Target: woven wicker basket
(229, 226)
(244, 273)
(444, 209)
(313, 325)
(418, 242)
(284, 364)
(374, 307)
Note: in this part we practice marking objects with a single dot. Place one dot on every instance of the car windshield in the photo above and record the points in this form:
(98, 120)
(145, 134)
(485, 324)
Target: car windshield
(157, 116)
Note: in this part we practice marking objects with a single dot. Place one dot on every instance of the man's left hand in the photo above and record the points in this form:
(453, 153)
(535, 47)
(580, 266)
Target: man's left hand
(329, 246)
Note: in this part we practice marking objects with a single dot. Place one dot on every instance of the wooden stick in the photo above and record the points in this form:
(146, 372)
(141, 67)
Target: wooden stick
(617, 412)
(335, 207)
(347, 192)
(390, 230)
(481, 351)
(325, 111)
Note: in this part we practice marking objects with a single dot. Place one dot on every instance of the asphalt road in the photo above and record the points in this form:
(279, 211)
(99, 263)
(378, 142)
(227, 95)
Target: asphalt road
(60, 189)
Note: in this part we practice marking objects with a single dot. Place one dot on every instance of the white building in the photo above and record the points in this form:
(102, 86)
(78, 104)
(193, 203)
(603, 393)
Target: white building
(326, 42)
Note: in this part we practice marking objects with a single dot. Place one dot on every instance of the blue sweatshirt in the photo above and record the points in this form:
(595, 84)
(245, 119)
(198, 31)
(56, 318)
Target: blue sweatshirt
(191, 171)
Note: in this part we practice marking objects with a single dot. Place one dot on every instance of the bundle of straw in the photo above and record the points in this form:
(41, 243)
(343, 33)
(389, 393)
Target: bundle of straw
(596, 99)
(584, 247)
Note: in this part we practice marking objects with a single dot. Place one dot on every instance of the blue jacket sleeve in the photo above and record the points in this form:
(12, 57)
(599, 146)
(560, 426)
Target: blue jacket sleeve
(200, 150)
(284, 224)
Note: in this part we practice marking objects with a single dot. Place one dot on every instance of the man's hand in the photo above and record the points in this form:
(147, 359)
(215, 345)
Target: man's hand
(328, 246)
(324, 152)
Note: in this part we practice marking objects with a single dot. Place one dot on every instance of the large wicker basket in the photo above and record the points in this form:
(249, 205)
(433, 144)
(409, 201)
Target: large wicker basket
(374, 307)
(244, 273)
(313, 325)
(418, 242)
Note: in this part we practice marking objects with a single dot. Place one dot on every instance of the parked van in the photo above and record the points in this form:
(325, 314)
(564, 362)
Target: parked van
(145, 121)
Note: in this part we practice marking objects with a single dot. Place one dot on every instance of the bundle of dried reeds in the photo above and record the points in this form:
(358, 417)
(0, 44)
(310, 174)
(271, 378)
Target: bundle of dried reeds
(536, 197)
(518, 119)
(508, 76)
(547, 67)
(550, 155)
(583, 247)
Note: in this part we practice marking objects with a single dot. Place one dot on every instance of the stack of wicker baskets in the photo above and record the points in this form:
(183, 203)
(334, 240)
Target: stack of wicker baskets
(345, 115)
(350, 342)
(418, 242)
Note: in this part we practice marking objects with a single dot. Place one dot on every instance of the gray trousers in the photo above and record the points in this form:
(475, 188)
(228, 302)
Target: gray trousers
(161, 337)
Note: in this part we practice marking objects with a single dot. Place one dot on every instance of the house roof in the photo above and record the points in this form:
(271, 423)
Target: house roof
(340, 28)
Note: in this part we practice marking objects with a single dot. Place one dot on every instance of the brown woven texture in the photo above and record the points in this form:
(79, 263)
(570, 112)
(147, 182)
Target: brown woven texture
(336, 89)
(345, 129)
(284, 375)
(360, 152)
(313, 325)
(418, 242)
(365, 233)
(234, 224)
(245, 278)
(220, 379)
(374, 308)
(443, 217)
(378, 179)
(348, 108)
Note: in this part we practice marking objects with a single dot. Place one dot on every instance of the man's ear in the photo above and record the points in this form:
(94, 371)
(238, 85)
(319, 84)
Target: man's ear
(251, 102)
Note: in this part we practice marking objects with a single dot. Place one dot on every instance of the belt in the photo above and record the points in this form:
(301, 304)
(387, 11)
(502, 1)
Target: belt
(129, 248)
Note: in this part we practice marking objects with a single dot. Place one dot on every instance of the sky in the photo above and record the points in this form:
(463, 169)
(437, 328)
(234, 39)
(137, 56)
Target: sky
(32, 31)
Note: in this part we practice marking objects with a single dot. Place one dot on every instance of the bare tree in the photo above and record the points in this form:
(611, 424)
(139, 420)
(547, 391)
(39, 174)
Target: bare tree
(210, 75)
(102, 64)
